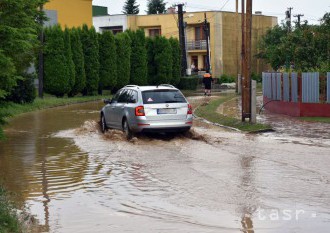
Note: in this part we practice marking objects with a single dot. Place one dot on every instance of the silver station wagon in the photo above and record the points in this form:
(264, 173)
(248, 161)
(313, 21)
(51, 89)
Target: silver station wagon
(134, 109)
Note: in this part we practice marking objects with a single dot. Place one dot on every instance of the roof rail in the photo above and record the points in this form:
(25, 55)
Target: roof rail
(132, 86)
(167, 85)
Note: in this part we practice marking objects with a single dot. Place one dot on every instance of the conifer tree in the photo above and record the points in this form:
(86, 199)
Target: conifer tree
(163, 60)
(156, 7)
(90, 44)
(56, 70)
(131, 8)
(68, 54)
(123, 48)
(150, 46)
(139, 64)
(79, 63)
(108, 61)
(176, 55)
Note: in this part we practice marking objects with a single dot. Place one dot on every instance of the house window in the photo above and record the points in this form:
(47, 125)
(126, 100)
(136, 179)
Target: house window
(200, 33)
(115, 29)
(155, 32)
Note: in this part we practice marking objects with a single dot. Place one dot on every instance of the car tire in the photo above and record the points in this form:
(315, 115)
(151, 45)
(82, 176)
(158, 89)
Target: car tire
(103, 124)
(128, 132)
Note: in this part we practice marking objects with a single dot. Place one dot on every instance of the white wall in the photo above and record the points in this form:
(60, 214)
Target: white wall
(110, 21)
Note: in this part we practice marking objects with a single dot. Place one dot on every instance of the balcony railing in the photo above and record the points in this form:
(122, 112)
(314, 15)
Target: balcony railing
(196, 44)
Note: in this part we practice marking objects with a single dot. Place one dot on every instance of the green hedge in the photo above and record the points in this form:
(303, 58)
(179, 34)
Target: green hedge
(227, 79)
(189, 83)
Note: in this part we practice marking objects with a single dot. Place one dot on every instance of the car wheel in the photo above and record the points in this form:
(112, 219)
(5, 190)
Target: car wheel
(103, 124)
(127, 130)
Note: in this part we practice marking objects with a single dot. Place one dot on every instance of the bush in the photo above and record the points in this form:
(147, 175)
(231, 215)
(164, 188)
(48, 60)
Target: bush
(8, 218)
(25, 91)
(227, 79)
(190, 83)
(256, 77)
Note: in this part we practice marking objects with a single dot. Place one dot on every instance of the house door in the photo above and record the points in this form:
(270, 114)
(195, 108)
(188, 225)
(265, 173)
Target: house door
(194, 60)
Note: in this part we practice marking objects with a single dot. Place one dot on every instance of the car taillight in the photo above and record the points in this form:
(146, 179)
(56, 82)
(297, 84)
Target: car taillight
(139, 111)
(189, 109)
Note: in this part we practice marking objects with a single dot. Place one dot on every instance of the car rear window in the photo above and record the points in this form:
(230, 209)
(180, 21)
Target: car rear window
(162, 96)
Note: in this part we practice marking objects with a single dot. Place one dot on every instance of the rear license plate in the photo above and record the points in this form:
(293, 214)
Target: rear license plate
(166, 111)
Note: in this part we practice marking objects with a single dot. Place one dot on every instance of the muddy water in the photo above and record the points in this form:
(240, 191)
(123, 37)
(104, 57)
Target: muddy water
(73, 179)
(284, 126)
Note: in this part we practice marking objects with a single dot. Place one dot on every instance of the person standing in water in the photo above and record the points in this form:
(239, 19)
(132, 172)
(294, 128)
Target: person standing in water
(207, 81)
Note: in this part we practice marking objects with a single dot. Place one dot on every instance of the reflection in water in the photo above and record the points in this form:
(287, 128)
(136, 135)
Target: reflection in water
(39, 168)
(247, 181)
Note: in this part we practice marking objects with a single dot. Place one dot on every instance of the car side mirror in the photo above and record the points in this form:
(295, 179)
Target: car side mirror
(107, 101)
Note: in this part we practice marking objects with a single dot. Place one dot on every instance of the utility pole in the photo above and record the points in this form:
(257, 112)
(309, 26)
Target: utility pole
(237, 44)
(41, 58)
(298, 16)
(206, 29)
(246, 57)
(288, 18)
(182, 40)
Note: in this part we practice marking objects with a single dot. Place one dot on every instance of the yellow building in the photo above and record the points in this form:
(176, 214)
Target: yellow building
(70, 13)
(225, 37)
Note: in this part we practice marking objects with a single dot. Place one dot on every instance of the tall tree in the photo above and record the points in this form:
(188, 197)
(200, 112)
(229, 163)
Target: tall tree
(176, 65)
(108, 61)
(68, 54)
(139, 68)
(56, 69)
(156, 7)
(123, 48)
(306, 47)
(131, 8)
(150, 45)
(163, 60)
(79, 63)
(18, 39)
(90, 44)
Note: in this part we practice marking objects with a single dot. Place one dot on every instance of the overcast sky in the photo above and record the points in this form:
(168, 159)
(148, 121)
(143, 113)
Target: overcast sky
(313, 10)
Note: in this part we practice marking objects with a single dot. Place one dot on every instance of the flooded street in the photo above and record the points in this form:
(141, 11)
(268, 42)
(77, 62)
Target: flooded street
(74, 179)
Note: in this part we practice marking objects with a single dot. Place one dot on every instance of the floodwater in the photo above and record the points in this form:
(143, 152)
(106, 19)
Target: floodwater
(74, 179)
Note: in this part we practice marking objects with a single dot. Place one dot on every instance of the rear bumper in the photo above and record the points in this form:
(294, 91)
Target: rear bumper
(166, 130)
(162, 126)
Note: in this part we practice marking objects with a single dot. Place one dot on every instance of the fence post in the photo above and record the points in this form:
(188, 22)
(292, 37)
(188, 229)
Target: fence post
(239, 84)
(254, 102)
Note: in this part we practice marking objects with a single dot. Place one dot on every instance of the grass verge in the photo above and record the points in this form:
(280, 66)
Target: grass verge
(209, 112)
(11, 109)
(316, 119)
(8, 218)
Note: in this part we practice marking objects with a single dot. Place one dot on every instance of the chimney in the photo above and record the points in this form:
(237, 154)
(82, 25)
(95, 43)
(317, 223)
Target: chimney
(171, 10)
